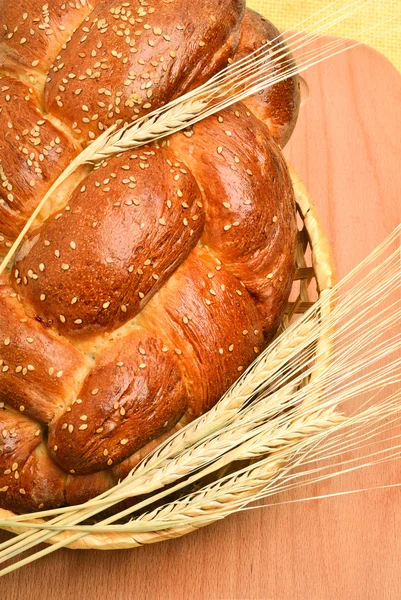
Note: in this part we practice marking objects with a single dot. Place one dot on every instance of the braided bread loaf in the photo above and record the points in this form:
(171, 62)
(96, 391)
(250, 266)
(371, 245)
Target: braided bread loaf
(149, 282)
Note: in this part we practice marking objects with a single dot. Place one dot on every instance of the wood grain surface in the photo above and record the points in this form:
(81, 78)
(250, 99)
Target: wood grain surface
(347, 149)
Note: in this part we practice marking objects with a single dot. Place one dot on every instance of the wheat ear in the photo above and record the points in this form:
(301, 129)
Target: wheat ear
(234, 83)
(376, 286)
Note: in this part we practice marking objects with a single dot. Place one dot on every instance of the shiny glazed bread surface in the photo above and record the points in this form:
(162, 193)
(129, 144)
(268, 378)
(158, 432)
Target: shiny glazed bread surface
(150, 282)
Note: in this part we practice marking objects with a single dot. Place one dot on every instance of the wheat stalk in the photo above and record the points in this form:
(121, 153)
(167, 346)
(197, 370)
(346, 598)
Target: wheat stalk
(367, 292)
(245, 450)
(253, 482)
(238, 81)
(250, 483)
(279, 438)
(199, 434)
(229, 406)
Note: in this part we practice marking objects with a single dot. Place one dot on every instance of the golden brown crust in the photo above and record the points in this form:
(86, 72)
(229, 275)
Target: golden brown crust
(39, 371)
(86, 280)
(81, 488)
(32, 153)
(124, 62)
(250, 206)
(43, 482)
(211, 323)
(133, 394)
(277, 105)
(33, 31)
(28, 477)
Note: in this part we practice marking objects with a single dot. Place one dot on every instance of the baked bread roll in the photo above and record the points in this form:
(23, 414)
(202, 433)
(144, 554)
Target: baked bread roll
(151, 281)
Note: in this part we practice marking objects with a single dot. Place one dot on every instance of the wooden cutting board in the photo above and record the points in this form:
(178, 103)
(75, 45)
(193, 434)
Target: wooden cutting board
(347, 150)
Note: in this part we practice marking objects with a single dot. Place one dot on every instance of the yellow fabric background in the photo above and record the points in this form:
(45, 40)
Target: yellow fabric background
(286, 14)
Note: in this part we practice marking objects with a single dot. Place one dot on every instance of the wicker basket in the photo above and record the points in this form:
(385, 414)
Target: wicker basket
(314, 262)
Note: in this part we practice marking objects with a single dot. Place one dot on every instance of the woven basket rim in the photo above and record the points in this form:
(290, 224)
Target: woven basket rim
(325, 275)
